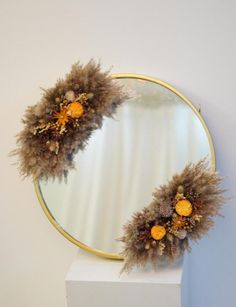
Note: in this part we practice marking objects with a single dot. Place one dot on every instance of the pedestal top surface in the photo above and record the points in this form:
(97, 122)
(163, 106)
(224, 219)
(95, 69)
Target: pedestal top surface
(90, 268)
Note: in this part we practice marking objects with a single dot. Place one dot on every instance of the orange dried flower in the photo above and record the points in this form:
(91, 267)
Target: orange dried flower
(184, 207)
(75, 109)
(178, 222)
(158, 232)
(62, 117)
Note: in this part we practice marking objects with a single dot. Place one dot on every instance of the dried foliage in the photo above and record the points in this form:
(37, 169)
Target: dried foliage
(196, 195)
(62, 122)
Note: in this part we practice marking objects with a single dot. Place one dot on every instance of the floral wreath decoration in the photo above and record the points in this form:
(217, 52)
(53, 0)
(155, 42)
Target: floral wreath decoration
(60, 125)
(182, 210)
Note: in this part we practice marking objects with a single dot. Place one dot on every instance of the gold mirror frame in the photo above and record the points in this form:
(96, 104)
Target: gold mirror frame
(44, 205)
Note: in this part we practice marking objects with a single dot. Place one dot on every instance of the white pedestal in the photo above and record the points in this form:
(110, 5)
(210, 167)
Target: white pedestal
(95, 282)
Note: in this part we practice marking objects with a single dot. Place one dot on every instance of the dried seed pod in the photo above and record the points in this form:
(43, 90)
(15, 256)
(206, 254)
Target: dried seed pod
(147, 245)
(154, 243)
(180, 189)
(181, 234)
(70, 96)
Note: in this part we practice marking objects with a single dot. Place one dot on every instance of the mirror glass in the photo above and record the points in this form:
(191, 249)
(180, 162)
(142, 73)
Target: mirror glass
(152, 136)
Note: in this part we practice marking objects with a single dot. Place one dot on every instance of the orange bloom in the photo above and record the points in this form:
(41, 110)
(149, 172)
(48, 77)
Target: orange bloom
(178, 222)
(75, 109)
(62, 117)
(184, 207)
(158, 232)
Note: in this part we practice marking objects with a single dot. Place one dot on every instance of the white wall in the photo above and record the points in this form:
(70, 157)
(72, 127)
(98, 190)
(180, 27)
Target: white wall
(190, 44)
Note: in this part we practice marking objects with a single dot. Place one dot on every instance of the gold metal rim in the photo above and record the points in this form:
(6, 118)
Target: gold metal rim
(43, 203)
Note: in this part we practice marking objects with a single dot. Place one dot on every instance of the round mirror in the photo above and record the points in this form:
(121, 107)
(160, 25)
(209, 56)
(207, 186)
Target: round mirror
(153, 135)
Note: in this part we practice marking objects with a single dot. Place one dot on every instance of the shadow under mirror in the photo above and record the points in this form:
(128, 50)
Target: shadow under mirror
(153, 135)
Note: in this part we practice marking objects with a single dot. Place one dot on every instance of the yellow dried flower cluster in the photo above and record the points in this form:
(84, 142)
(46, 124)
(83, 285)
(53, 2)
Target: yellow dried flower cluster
(69, 112)
(184, 209)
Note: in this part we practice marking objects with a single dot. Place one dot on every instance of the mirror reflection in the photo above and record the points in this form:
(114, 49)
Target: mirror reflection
(152, 136)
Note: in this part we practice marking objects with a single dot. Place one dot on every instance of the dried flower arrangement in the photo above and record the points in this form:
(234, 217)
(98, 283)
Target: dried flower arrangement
(62, 122)
(182, 210)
